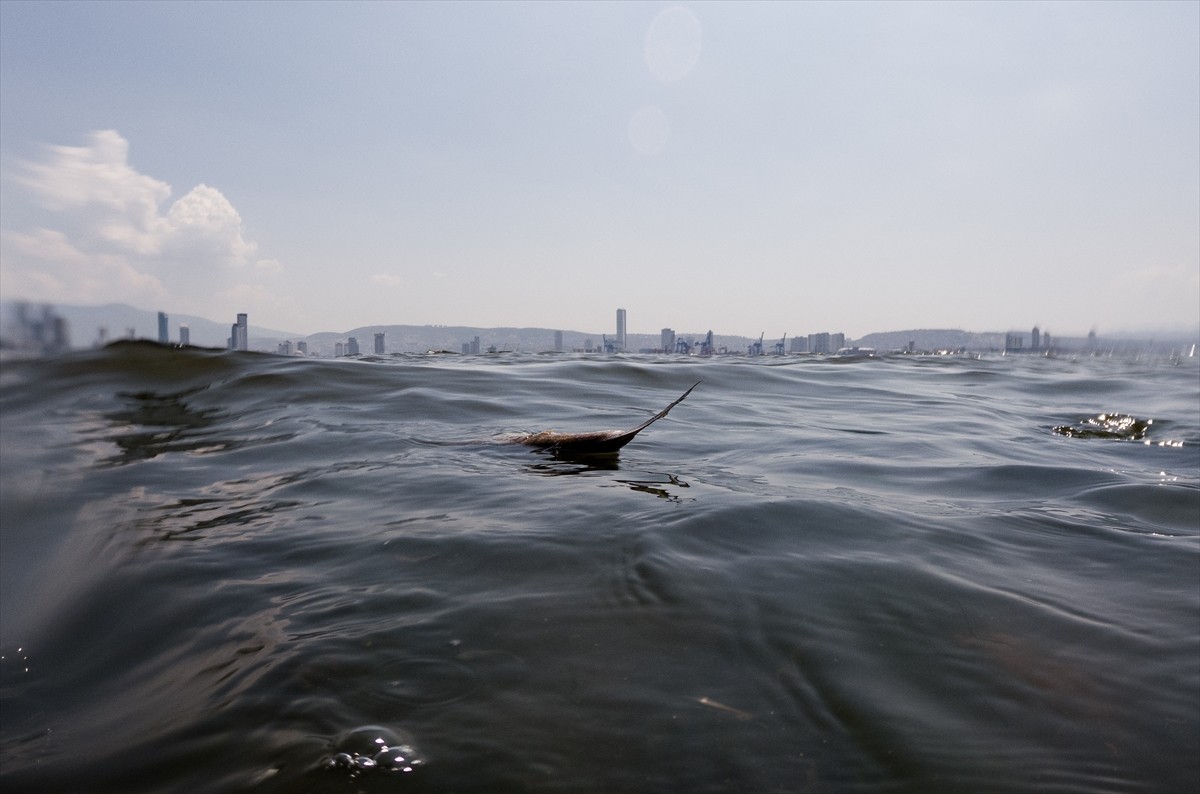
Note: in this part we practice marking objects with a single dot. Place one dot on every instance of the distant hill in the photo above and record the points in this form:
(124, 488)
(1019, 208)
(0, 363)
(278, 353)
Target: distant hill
(932, 339)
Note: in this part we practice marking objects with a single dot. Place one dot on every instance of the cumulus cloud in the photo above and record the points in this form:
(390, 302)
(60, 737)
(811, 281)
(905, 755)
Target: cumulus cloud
(109, 234)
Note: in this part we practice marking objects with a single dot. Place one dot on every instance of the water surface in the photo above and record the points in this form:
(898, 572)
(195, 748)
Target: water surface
(233, 572)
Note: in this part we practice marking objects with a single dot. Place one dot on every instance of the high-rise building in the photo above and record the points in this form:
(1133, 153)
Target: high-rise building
(239, 337)
(49, 334)
(185, 336)
(620, 330)
(339, 349)
(302, 348)
(285, 347)
(379, 344)
(352, 346)
(558, 343)
(836, 342)
(1013, 342)
(163, 336)
(668, 340)
(1035, 339)
(819, 343)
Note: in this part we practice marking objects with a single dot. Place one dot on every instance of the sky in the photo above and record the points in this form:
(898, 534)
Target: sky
(742, 167)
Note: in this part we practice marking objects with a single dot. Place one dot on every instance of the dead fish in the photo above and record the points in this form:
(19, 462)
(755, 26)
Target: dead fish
(595, 442)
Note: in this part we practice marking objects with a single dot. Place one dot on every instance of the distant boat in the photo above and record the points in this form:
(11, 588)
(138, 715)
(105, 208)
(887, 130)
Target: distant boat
(855, 352)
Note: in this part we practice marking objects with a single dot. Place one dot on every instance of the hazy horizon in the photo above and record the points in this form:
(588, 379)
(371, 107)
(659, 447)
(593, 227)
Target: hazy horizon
(113, 327)
(752, 167)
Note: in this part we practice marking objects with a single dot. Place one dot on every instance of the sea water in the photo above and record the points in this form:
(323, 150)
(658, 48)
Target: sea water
(243, 572)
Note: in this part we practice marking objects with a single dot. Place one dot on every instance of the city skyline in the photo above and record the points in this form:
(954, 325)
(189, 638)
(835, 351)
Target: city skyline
(865, 166)
(46, 327)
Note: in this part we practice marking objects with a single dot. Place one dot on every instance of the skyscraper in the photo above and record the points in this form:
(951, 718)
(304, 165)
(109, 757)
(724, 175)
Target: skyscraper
(1035, 339)
(620, 330)
(379, 344)
(667, 343)
(163, 337)
(352, 346)
(239, 338)
(185, 336)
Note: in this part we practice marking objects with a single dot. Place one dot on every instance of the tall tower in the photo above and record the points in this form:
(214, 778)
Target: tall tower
(163, 337)
(620, 330)
(185, 336)
(241, 330)
(379, 344)
(1036, 339)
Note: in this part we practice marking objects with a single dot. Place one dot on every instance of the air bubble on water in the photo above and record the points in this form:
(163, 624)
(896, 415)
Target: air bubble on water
(372, 748)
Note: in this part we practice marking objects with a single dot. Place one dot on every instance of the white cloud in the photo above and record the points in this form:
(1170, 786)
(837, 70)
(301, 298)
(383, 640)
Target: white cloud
(386, 280)
(108, 237)
(44, 265)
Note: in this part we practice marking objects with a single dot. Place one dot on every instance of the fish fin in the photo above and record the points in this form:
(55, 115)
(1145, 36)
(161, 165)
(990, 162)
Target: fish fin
(663, 412)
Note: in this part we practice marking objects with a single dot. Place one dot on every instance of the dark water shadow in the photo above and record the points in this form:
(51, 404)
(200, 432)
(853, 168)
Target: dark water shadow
(153, 424)
(558, 463)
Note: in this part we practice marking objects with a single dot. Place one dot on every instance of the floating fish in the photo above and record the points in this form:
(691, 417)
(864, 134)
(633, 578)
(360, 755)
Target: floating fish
(595, 442)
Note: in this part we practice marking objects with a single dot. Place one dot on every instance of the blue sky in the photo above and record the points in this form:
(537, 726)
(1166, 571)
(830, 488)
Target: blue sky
(745, 167)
